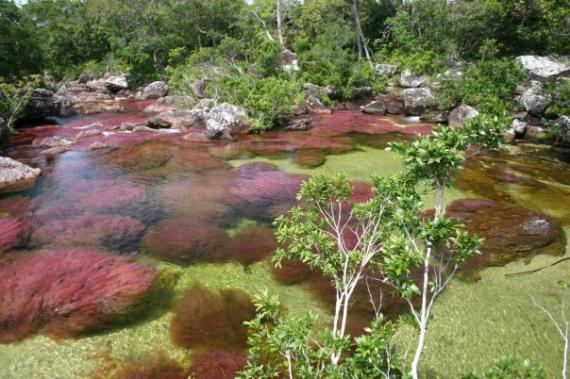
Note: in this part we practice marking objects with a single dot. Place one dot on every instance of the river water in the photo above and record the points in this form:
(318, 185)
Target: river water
(201, 213)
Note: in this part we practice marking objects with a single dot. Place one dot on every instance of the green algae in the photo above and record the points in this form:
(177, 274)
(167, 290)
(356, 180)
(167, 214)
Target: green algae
(475, 323)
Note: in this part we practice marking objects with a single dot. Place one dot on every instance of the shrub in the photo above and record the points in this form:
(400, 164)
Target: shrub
(15, 96)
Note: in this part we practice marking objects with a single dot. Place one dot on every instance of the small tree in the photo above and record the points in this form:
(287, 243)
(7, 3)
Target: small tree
(15, 96)
(390, 238)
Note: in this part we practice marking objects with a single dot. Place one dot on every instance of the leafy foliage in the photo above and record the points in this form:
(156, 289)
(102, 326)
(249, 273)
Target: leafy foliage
(15, 96)
(510, 368)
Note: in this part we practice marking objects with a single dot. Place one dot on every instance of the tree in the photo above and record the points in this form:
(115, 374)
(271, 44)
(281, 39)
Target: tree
(15, 97)
(388, 239)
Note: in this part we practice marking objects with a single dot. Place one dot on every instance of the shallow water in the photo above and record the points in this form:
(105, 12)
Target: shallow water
(177, 204)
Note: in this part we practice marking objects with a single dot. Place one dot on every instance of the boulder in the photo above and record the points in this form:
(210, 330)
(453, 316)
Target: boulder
(215, 130)
(543, 68)
(361, 92)
(462, 113)
(314, 105)
(312, 90)
(331, 92)
(383, 69)
(68, 292)
(382, 104)
(299, 124)
(16, 176)
(417, 100)
(562, 126)
(175, 119)
(288, 61)
(4, 135)
(519, 127)
(155, 90)
(199, 88)
(63, 103)
(116, 83)
(170, 103)
(41, 105)
(437, 117)
(374, 107)
(225, 120)
(535, 100)
(411, 80)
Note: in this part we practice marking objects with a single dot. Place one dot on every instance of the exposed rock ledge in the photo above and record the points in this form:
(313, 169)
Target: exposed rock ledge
(16, 176)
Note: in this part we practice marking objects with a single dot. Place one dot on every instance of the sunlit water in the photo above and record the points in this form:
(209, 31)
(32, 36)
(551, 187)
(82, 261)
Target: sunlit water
(148, 196)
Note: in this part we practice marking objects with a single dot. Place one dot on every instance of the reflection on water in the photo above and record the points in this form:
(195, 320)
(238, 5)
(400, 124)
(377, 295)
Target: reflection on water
(191, 209)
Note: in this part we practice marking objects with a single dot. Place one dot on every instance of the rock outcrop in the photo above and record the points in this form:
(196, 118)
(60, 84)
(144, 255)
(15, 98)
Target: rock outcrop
(459, 115)
(417, 100)
(543, 68)
(534, 100)
(16, 176)
(410, 80)
(154, 90)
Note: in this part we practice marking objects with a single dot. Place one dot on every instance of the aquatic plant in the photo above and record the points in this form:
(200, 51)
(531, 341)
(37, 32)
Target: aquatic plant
(252, 244)
(15, 231)
(186, 240)
(111, 232)
(310, 158)
(152, 366)
(203, 318)
(67, 292)
(291, 271)
(218, 364)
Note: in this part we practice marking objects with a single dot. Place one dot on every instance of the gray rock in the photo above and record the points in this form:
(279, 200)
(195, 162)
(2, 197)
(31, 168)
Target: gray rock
(231, 117)
(98, 145)
(535, 133)
(462, 113)
(299, 124)
(411, 80)
(288, 61)
(417, 100)
(199, 88)
(16, 176)
(63, 103)
(155, 90)
(534, 100)
(436, 117)
(361, 92)
(519, 127)
(562, 125)
(216, 130)
(543, 68)
(383, 69)
(174, 119)
(314, 105)
(331, 92)
(374, 107)
(393, 102)
(312, 90)
(116, 83)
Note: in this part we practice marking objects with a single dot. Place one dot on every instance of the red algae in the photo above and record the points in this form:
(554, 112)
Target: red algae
(252, 244)
(111, 232)
(218, 364)
(291, 272)
(203, 318)
(151, 366)
(14, 232)
(16, 205)
(68, 292)
(186, 240)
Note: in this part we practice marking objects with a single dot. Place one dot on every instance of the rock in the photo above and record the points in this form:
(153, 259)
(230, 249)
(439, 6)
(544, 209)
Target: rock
(534, 100)
(315, 106)
(199, 88)
(54, 151)
(462, 113)
(155, 90)
(299, 124)
(411, 80)
(312, 90)
(437, 117)
(390, 103)
(4, 135)
(84, 78)
(361, 92)
(562, 126)
(331, 92)
(116, 83)
(509, 232)
(16, 176)
(543, 68)
(417, 100)
(175, 119)
(88, 133)
(142, 129)
(225, 120)
(68, 292)
(98, 145)
(104, 232)
(509, 136)
(518, 127)
(382, 69)
(171, 103)
(56, 141)
(41, 105)
(63, 103)
(288, 61)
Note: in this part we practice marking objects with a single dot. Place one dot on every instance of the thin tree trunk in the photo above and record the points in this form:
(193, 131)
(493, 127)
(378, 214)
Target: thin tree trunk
(423, 316)
(360, 40)
(279, 31)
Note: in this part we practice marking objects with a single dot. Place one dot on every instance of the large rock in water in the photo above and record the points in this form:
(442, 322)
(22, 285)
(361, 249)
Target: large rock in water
(390, 103)
(225, 120)
(510, 232)
(543, 68)
(68, 292)
(16, 176)
(116, 83)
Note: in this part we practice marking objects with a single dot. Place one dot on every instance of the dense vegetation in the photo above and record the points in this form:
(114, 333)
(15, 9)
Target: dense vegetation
(238, 44)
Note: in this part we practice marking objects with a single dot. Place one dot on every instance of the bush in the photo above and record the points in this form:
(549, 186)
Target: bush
(488, 86)
(560, 99)
(510, 368)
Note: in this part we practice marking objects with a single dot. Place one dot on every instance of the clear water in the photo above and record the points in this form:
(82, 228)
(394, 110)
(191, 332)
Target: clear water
(164, 182)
